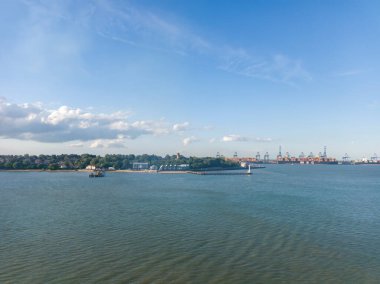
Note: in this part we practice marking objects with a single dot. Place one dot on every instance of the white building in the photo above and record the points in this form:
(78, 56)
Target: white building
(90, 167)
(140, 166)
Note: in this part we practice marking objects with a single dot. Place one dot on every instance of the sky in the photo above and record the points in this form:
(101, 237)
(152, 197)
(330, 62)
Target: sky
(194, 77)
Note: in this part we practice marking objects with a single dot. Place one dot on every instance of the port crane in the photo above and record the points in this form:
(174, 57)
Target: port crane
(279, 156)
(266, 157)
(325, 152)
(346, 158)
(374, 158)
(258, 157)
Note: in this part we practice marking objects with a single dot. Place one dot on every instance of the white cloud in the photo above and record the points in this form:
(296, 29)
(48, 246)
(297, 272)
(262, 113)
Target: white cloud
(110, 143)
(238, 138)
(156, 127)
(267, 139)
(234, 138)
(276, 68)
(181, 126)
(189, 140)
(34, 122)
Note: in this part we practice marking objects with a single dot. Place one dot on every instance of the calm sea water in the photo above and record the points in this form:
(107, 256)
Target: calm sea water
(283, 224)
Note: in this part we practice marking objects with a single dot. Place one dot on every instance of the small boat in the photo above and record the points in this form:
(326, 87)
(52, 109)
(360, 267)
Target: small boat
(97, 173)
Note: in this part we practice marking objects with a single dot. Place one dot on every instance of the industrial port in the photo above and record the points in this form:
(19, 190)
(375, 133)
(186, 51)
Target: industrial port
(302, 158)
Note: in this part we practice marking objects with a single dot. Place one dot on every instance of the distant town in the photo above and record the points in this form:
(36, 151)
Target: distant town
(167, 163)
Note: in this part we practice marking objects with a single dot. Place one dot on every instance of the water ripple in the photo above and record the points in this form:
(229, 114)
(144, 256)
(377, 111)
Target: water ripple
(281, 225)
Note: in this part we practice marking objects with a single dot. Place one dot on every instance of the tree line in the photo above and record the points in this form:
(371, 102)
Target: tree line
(117, 161)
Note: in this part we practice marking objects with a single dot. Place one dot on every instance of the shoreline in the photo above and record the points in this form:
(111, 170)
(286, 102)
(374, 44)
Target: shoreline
(42, 171)
(156, 171)
(89, 171)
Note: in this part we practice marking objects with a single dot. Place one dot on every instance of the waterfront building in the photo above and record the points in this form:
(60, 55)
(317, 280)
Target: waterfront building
(140, 166)
(90, 167)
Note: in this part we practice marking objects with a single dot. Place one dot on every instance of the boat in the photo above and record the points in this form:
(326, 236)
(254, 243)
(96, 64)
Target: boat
(96, 173)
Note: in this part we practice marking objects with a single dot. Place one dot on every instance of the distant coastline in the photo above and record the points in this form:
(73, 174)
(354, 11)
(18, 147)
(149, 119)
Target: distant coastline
(176, 164)
(88, 171)
(147, 171)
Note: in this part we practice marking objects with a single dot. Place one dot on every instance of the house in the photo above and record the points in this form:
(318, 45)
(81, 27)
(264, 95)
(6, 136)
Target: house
(140, 166)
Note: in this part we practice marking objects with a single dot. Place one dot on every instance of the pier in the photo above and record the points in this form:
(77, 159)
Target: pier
(221, 173)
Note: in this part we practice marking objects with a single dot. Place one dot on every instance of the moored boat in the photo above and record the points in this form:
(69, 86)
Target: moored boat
(96, 173)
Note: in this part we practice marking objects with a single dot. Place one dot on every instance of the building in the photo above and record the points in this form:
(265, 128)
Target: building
(182, 167)
(140, 166)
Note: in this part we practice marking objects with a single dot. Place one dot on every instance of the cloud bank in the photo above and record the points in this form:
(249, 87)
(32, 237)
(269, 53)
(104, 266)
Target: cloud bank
(234, 138)
(35, 122)
(238, 138)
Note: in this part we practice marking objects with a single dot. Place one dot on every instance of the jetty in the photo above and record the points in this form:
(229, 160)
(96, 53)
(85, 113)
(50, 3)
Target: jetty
(222, 173)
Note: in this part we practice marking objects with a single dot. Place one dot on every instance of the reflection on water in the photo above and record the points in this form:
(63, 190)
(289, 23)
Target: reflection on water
(282, 224)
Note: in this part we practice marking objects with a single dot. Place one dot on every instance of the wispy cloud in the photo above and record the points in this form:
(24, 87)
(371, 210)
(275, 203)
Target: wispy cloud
(42, 45)
(277, 68)
(129, 24)
(265, 140)
(347, 73)
(141, 27)
(173, 36)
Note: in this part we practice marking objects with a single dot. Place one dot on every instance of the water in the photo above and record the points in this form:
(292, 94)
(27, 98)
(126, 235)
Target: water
(304, 224)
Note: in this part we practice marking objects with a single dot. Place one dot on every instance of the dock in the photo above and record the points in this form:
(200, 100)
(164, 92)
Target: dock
(226, 173)
(221, 173)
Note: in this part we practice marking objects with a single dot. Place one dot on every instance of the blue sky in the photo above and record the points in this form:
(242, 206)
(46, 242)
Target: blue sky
(195, 77)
